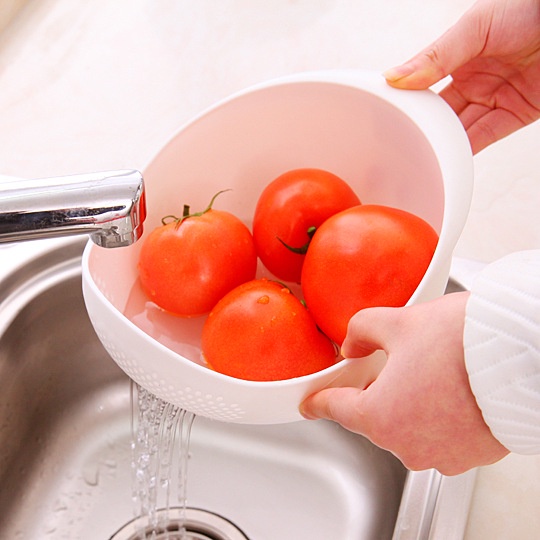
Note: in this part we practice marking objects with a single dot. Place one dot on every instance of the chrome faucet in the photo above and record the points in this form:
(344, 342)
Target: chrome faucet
(110, 206)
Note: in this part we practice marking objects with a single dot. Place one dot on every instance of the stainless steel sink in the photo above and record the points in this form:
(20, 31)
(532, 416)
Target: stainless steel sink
(65, 430)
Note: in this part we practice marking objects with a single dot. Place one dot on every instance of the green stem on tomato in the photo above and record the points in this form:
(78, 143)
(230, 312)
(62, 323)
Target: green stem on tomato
(302, 250)
(185, 213)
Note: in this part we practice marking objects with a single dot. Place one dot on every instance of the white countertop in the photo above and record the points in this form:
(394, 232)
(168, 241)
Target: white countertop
(88, 86)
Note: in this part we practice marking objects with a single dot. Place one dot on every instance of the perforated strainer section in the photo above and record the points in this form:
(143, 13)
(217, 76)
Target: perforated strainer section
(187, 397)
(180, 524)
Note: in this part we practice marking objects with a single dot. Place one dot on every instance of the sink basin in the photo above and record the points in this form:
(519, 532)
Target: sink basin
(65, 432)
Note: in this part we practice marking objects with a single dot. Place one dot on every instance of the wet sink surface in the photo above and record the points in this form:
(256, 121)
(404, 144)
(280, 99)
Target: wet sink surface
(65, 432)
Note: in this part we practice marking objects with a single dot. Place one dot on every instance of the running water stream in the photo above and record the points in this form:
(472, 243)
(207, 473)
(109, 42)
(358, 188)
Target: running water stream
(160, 454)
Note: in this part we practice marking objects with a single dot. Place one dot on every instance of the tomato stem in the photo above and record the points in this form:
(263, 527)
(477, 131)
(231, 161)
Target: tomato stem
(302, 250)
(185, 213)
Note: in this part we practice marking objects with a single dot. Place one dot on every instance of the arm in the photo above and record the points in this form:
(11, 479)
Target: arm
(421, 406)
(502, 349)
(462, 381)
(461, 386)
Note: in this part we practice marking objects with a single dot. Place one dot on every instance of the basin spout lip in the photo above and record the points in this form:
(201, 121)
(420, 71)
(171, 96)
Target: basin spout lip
(110, 206)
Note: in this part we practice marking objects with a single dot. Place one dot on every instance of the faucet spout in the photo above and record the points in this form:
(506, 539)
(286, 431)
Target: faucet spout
(109, 206)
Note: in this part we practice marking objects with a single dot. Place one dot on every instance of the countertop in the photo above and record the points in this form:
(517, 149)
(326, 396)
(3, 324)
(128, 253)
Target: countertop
(88, 86)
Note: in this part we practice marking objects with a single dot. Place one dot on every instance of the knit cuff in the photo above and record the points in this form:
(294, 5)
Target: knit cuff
(502, 349)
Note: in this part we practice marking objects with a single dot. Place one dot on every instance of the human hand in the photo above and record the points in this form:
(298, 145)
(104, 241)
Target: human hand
(421, 407)
(493, 56)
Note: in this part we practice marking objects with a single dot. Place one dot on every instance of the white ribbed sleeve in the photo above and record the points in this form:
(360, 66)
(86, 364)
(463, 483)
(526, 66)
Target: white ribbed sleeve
(502, 349)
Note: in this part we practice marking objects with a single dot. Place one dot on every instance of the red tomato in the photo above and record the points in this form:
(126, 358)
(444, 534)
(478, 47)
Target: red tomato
(186, 267)
(260, 331)
(286, 210)
(366, 256)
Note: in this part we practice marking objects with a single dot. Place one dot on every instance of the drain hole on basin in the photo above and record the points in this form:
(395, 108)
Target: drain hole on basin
(177, 524)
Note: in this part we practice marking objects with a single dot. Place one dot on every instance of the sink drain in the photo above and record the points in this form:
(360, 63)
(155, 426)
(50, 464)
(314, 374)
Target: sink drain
(177, 524)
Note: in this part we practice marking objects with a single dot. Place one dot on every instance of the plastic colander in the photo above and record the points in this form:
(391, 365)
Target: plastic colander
(405, 149)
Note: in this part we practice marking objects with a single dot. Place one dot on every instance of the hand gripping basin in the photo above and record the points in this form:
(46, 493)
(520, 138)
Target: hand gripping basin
(65, 434)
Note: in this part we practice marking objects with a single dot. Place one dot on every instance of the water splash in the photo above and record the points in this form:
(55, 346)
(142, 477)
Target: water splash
(160, 455)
